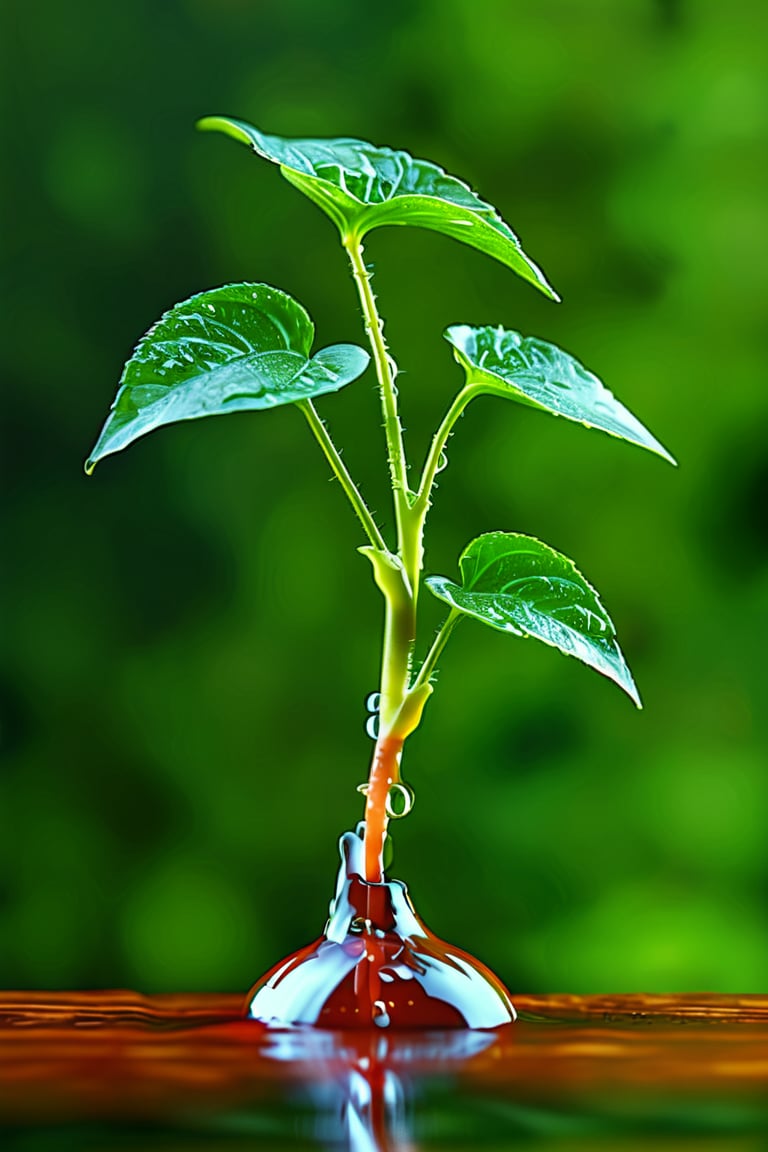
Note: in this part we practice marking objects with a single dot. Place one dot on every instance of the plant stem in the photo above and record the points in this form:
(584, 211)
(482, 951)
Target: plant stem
(399, 633)
(440, 641)
(386, 370)
(397, 577)
(385, 771)
(399, 584)
(340, 470)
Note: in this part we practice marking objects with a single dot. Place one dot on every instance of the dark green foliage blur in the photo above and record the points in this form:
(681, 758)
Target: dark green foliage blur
(190, 634)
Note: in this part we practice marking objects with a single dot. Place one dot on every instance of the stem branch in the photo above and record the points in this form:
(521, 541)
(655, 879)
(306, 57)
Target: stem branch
(435, 652)
(439, 441)
(340, 470)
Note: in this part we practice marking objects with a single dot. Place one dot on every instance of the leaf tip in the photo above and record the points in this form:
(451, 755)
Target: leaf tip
(653, 445)
(89, 466)
(539, 280)
(629, 686)
(222, 124)
(543, 284)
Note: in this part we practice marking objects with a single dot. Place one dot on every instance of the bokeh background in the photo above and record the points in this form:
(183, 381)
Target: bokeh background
(190, 634)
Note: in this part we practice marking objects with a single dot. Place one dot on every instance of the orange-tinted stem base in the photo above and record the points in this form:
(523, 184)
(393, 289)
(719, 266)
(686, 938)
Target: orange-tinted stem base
(385, 771)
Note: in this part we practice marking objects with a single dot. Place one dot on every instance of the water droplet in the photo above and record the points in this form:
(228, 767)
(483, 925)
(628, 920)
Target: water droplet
(400, 800)
(442, 463)
(373, 702)
(380, 1014)
(372, 726)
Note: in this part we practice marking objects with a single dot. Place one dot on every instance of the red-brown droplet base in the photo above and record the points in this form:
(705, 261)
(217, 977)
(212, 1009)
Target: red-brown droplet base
(377, 965)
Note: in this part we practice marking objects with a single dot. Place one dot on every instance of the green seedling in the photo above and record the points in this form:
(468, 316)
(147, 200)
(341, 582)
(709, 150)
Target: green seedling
(249, 347)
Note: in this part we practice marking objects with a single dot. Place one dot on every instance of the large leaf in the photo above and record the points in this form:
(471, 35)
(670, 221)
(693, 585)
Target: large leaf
(362, 187)
(540, 374)
(243, 346)
(517, 584)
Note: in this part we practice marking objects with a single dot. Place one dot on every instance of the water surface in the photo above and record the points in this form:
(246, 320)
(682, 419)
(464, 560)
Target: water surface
(107, 1070)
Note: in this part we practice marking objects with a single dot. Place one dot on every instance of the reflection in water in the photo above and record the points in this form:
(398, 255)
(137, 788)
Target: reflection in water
(363, 1090)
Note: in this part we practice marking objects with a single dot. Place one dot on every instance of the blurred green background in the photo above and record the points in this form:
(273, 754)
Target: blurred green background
(190, 634)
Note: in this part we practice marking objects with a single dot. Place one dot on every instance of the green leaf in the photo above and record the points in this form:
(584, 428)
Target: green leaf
(517, 584)
(362, 187)
(534, 372)
(240, 347)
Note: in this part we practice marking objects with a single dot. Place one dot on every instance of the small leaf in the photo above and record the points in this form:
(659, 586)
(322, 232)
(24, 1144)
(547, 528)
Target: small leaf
(240, 347)
(517, 584)
(534, 372)
(362, 187)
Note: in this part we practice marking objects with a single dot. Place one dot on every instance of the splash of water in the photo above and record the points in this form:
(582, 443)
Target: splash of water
(378, 966)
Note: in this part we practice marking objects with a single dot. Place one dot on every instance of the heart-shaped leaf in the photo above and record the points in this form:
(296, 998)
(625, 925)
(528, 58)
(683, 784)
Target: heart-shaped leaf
(243, 346)
(534, 372)
(517, 584)
(362, 187)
